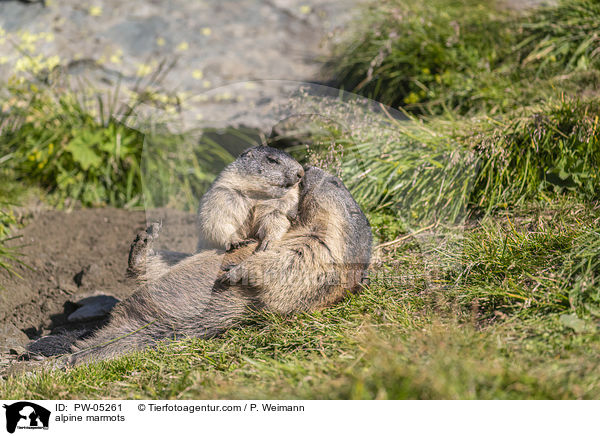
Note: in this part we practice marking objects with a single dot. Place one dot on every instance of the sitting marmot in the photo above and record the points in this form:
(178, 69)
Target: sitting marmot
(254, 197)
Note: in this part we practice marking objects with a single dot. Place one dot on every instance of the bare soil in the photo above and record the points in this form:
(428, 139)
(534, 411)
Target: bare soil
(71, 255)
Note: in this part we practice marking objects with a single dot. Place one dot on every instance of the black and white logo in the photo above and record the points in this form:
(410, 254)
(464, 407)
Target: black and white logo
(26, 415)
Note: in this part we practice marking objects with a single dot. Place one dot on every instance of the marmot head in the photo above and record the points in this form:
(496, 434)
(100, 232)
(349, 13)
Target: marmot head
(321, 190)
(267, 171)
(327, 205)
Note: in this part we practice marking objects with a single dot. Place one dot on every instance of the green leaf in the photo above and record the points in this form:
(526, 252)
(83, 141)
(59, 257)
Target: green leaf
(573, 322)
(84, 154)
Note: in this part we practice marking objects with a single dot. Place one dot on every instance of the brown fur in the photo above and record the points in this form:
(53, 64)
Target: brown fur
(325, 255)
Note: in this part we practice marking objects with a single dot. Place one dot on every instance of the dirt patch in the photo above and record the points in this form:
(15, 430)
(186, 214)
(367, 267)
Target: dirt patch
(71, 255)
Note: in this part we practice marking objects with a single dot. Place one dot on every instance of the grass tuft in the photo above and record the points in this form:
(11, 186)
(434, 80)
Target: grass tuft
(441, 56)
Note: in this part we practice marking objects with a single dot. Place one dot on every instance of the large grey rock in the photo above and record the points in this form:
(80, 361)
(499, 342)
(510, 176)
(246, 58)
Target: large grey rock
(215, 43)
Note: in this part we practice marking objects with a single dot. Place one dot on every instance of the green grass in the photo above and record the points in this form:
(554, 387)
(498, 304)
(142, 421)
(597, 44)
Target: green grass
(442, 362)
(555, 149)
(529, 263)
(503, 329)
(426, 170)
(561, 38)
(408, 53)
(437, 56)
(78, 151)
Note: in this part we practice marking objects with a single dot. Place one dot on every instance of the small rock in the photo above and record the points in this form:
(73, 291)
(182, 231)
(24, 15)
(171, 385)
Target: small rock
(78, 278)
(88, 275)
(94, 307)
(12, 338)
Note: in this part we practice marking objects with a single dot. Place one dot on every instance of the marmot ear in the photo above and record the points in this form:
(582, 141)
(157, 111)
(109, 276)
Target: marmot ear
(246, 153)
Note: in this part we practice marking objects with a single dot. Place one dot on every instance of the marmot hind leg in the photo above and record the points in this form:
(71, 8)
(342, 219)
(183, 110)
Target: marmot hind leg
(141, 249)
(144, 263)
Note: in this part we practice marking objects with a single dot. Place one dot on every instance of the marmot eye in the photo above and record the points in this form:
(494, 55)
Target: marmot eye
(335, 183)
(272, 160)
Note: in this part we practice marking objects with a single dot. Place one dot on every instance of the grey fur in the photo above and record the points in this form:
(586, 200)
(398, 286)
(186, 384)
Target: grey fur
(324, 255)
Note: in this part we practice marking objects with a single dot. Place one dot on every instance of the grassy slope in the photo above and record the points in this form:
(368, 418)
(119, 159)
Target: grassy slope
(512, 311)
(495, 332)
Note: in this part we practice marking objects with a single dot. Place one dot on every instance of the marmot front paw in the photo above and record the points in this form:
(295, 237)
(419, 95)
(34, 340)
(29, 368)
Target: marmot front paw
(238, 244)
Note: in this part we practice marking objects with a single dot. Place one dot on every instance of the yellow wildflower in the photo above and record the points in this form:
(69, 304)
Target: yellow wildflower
(144, 70)
(116, 58)
(52, 62)
(95, 11)
(411, 98)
